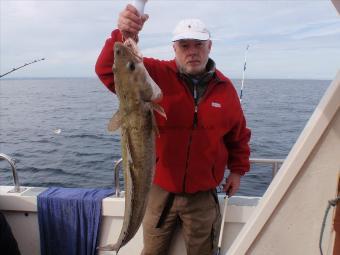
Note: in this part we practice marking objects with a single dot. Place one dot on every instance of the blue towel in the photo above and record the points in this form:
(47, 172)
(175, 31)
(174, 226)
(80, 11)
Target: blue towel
(69, 220)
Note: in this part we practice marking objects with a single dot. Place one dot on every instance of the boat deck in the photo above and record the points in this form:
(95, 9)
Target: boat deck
(20, 210)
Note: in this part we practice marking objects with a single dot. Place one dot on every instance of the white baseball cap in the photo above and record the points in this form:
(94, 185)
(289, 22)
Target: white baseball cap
(191, 29)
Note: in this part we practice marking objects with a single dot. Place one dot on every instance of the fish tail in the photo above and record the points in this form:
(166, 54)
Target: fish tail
(110, 247)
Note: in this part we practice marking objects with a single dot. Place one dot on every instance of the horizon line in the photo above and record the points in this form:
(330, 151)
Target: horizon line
(94, 77)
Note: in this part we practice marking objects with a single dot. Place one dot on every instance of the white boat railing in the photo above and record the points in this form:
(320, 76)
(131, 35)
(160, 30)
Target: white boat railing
(275, 163)
(17, 188)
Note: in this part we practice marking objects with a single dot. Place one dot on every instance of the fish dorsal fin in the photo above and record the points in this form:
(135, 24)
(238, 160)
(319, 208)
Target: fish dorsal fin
(115, 122)
(158, 109)
(161, 111)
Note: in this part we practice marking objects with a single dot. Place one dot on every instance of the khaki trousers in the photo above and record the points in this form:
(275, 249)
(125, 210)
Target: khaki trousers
(198, 214)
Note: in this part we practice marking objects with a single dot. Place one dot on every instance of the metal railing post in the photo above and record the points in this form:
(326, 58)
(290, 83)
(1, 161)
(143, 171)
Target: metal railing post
(17, 188)
(116, 177)
(274, 162)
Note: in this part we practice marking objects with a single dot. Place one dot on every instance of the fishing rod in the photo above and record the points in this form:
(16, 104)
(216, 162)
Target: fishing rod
(226, 197)
(244, 71)
(17, 68)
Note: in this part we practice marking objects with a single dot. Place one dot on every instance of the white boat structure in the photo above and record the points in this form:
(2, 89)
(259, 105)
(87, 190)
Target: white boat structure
(288, 219)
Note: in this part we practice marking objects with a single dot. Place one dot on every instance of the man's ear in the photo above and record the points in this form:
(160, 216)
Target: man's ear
(209, 44)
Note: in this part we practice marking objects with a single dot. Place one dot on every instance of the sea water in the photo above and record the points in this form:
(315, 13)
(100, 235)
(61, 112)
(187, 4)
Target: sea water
(55, 129)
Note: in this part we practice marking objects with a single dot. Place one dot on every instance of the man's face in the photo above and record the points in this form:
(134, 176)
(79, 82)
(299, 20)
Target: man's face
(192, 55)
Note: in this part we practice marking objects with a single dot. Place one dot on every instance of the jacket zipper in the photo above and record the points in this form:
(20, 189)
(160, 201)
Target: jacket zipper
(194, 125)
(196, 106)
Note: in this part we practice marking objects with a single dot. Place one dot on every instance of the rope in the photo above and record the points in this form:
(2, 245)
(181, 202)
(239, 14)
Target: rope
(333, 203)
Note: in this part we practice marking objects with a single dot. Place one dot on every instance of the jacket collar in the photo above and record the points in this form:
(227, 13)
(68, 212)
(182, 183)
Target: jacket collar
(204, 78)
(212, 72)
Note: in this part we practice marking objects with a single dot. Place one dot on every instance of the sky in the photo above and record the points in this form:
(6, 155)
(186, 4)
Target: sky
(288, 39)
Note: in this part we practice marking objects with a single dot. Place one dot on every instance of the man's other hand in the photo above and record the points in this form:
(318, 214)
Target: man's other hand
(232, 184)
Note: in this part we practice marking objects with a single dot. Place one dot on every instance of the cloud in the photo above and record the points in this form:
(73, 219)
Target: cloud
(70, 34)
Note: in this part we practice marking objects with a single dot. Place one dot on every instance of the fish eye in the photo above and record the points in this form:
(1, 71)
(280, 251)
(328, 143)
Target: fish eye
(131, 66)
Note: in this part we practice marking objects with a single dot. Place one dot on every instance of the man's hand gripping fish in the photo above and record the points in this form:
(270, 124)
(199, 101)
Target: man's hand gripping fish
(137, 94)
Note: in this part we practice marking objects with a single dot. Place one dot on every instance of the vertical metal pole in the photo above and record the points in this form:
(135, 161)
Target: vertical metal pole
(116, 177)
(219, 245)
(276, 164)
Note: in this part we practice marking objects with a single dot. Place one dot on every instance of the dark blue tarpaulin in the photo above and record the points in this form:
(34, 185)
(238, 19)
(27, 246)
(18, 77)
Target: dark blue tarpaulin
(69, 220)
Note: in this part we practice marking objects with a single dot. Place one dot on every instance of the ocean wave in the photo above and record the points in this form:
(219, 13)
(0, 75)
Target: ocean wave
(87, 154)
(48, 170)
(91, 136)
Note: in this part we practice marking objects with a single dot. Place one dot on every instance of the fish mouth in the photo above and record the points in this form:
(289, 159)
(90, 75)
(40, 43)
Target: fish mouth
(128, 49)
(119, 49)
(131, 45)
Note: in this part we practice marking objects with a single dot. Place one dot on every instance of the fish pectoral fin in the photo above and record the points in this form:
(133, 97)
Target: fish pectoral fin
(115, 122)
(156, 91)
(154, 124)
(153, 92)
(158, 109)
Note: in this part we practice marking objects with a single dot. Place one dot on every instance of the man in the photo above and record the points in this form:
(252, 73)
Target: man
(8, 244)
(204, 132)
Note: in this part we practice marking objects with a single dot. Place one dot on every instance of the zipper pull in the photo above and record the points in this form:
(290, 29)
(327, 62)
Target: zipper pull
(195, 92)
(196, 102)
(195, 116)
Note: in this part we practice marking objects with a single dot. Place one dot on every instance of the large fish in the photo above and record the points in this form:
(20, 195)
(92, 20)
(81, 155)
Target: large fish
(137, 94)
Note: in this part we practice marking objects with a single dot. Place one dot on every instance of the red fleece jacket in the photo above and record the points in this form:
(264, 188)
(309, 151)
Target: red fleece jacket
(191, 158)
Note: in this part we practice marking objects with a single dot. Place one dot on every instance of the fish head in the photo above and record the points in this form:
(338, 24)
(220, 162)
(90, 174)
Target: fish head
(129, 70)
(125, 59)
(126, 68)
